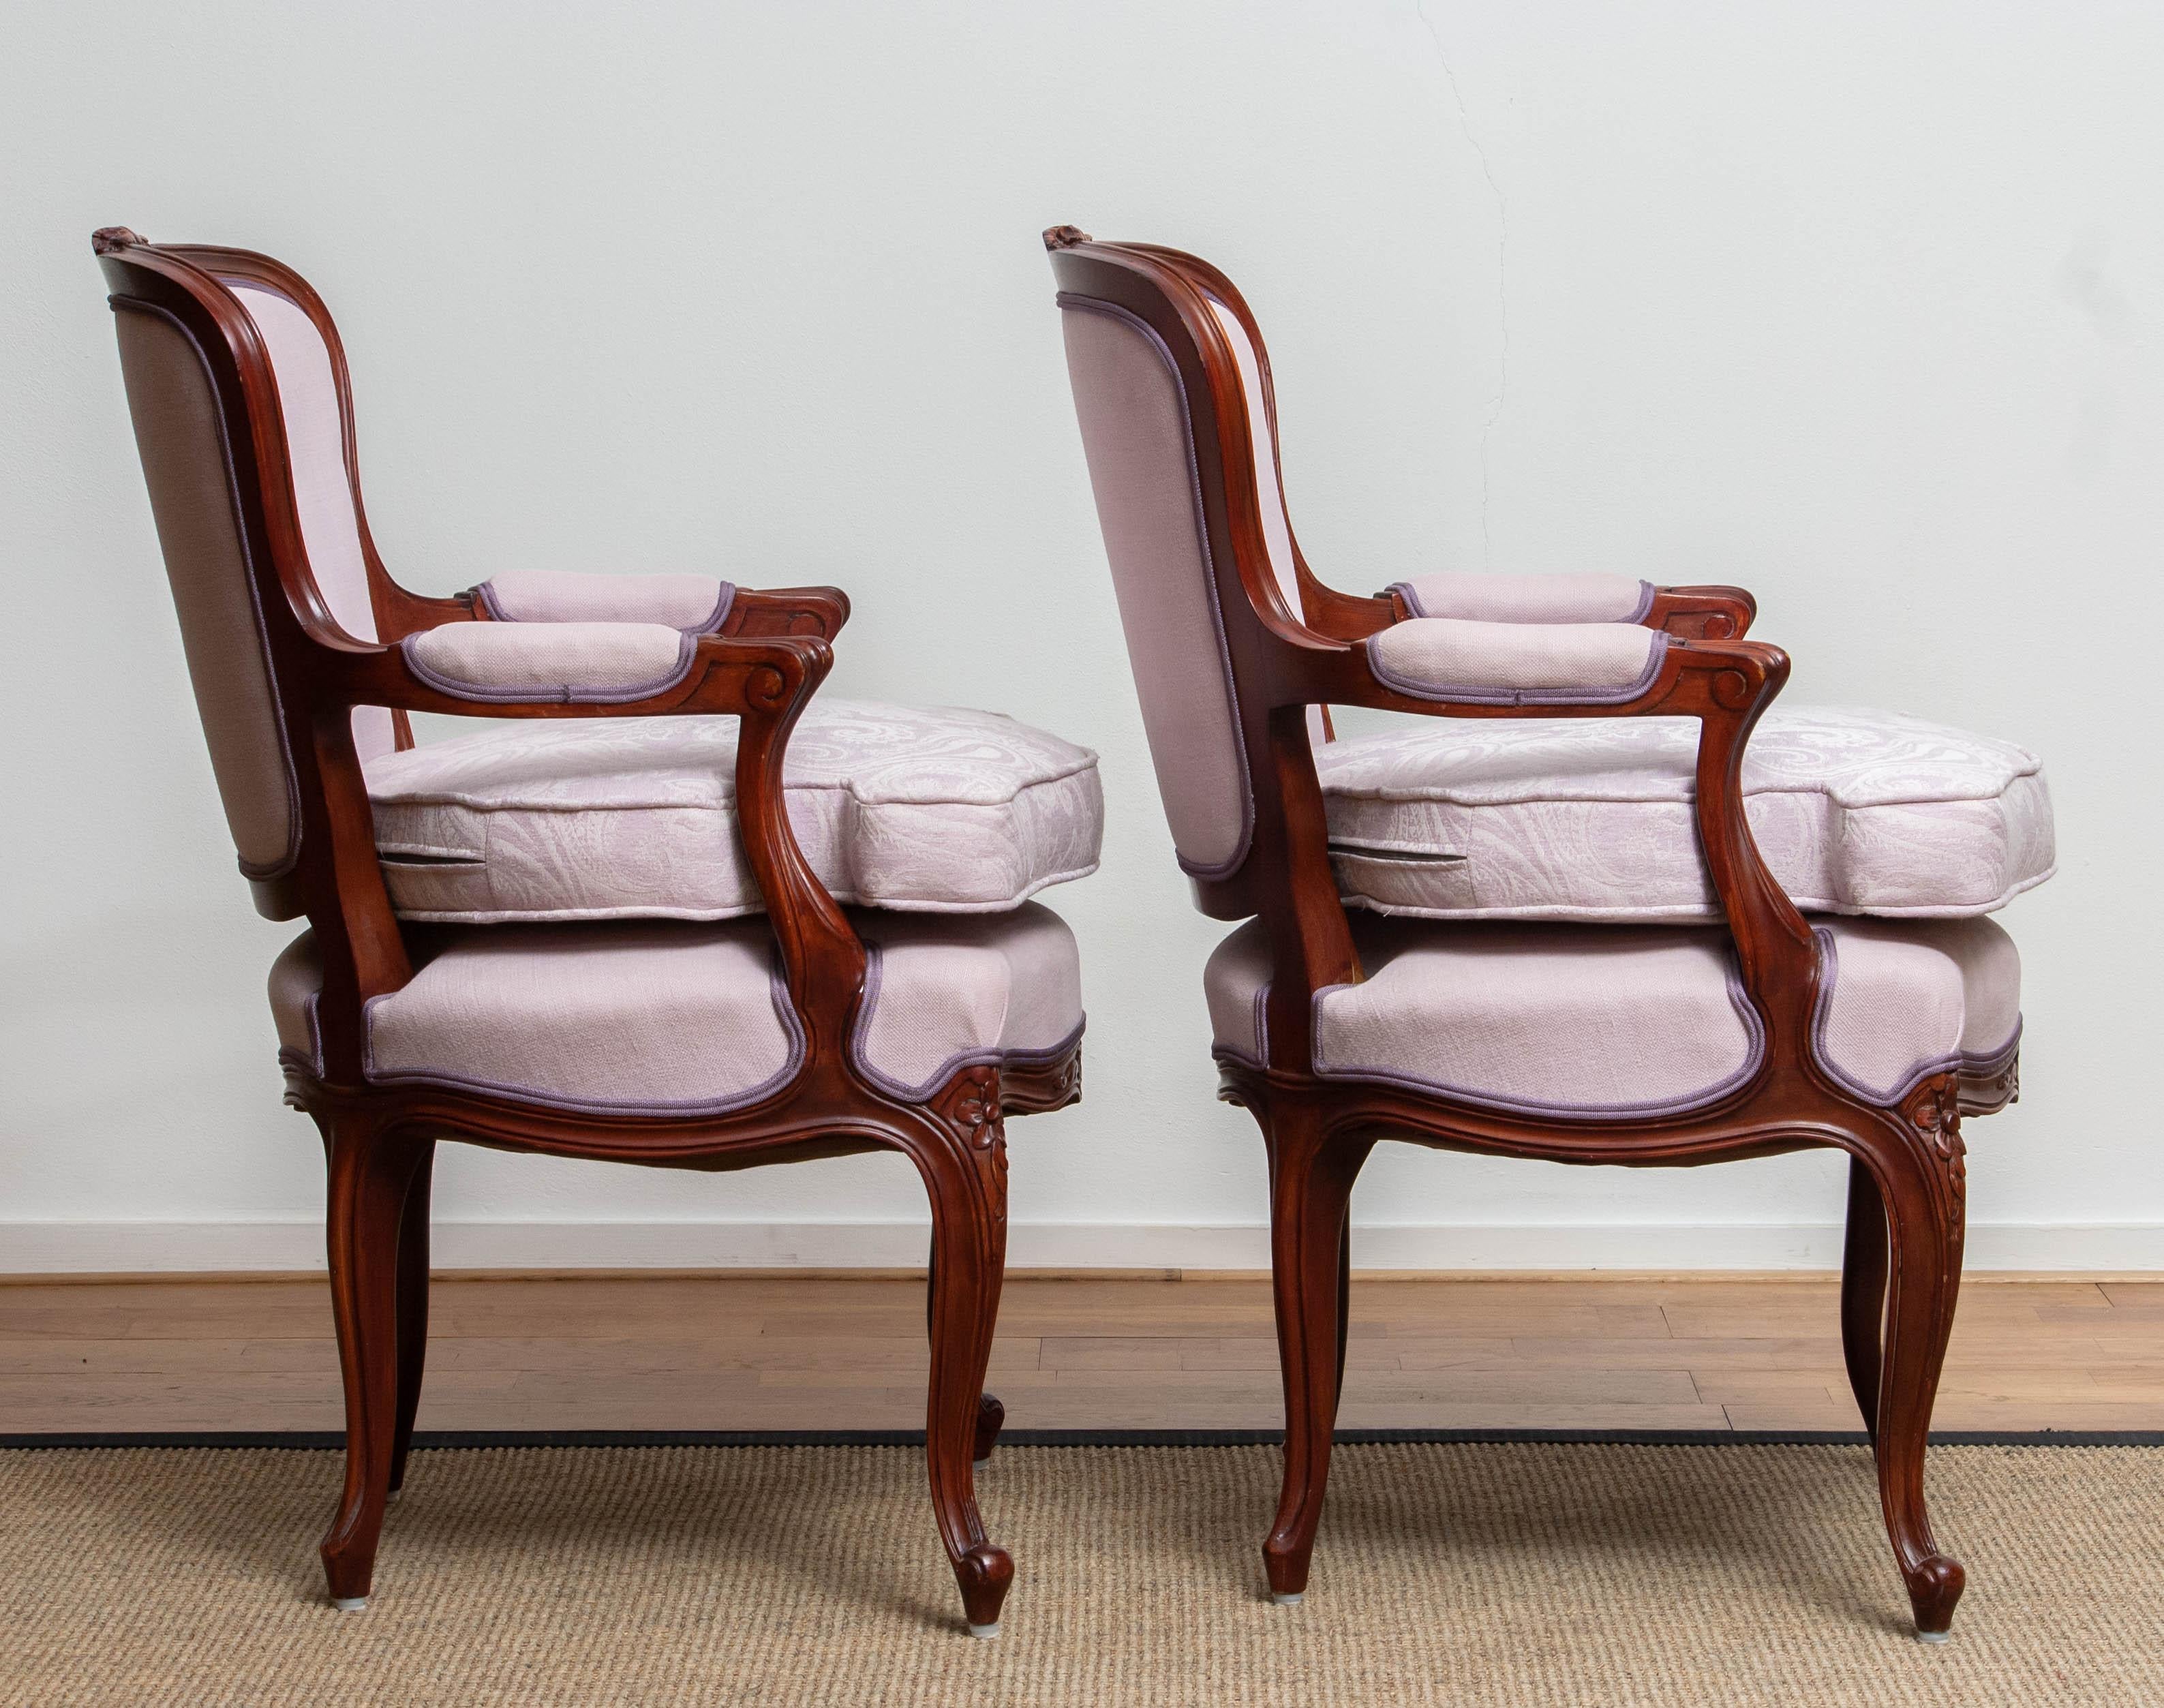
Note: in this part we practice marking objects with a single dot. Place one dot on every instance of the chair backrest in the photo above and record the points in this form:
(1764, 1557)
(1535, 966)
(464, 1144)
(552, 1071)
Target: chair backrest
(314, 404)
(1173, 391)
(237, 388)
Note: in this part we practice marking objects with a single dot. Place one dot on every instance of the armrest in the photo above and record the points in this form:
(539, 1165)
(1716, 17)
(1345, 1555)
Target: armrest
(1517, 664)
(581, 664)
(766, 683)
(693, 604)
(1725, 684)
(775, 611)
(1696, 613)
(1491, 598)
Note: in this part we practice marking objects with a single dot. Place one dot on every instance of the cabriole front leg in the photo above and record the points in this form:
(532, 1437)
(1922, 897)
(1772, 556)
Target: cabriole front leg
(964, 1171)
(1922, 1178)
(991, 1415)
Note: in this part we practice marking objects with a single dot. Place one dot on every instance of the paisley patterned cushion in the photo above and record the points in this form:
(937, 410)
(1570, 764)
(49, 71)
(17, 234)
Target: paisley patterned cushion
(932, 809)
(1856, 811)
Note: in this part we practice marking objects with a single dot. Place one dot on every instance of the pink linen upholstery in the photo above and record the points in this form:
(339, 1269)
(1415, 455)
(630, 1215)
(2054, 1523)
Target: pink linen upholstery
(1856, 811)
(322, 485)
(652, 1019)
(941, 993)
(1133, 417)
(696, 604)
(1493, 598)
(181, 438)
(591, 663)
(1565, 1022)
(919, 809)
(1905, 1000)
(1444, 658)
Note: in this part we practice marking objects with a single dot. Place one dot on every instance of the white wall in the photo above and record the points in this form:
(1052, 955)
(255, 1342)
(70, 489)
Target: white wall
(1854, 303)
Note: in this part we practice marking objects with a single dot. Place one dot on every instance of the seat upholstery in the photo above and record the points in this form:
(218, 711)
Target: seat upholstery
(1856, 811)
(696, 604)
(1565, 1022)
(648, 1017)
(932, 809)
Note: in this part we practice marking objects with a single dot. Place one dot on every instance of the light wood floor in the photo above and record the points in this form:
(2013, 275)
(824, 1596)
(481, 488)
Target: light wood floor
(822, 1352)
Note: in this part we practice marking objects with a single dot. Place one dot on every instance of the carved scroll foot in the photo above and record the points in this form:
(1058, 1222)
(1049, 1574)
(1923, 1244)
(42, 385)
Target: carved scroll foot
(1934, 1586)
(984, 1575)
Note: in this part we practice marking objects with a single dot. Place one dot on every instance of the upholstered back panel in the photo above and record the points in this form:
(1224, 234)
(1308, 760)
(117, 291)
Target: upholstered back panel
(181, 438)
(323, 484)
(1135, 434)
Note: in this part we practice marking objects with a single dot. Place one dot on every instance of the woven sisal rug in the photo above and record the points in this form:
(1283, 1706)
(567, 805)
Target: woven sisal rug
(1519, 1573)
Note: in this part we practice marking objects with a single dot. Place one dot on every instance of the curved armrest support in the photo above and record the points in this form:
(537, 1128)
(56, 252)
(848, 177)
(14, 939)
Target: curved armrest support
(767, 683)
(1726, 685)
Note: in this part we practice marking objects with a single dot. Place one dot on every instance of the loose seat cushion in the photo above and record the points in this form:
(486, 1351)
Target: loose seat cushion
(1856, 811)
(662, 1018)
(934, 809)
(1567, 1022)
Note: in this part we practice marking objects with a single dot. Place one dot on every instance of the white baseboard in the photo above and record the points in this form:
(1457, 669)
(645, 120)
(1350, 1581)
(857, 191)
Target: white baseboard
(62, 1248)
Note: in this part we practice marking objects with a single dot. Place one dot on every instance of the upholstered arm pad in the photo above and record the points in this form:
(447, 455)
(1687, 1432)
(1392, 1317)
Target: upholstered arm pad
(581, 663)
(1485, 598)
(1517, 663)
(695, 604)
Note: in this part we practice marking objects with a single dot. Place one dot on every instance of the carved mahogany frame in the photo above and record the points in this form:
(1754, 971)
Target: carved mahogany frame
(1902, 1266)
(762, 667)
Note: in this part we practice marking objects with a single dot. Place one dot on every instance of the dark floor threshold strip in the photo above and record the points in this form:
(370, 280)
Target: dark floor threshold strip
(317, 1440)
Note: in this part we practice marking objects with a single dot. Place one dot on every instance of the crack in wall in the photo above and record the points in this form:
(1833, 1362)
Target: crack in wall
(1502, 273)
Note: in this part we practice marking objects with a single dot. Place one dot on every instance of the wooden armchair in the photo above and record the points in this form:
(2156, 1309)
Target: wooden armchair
(1475, 1028)
(797, 1030)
